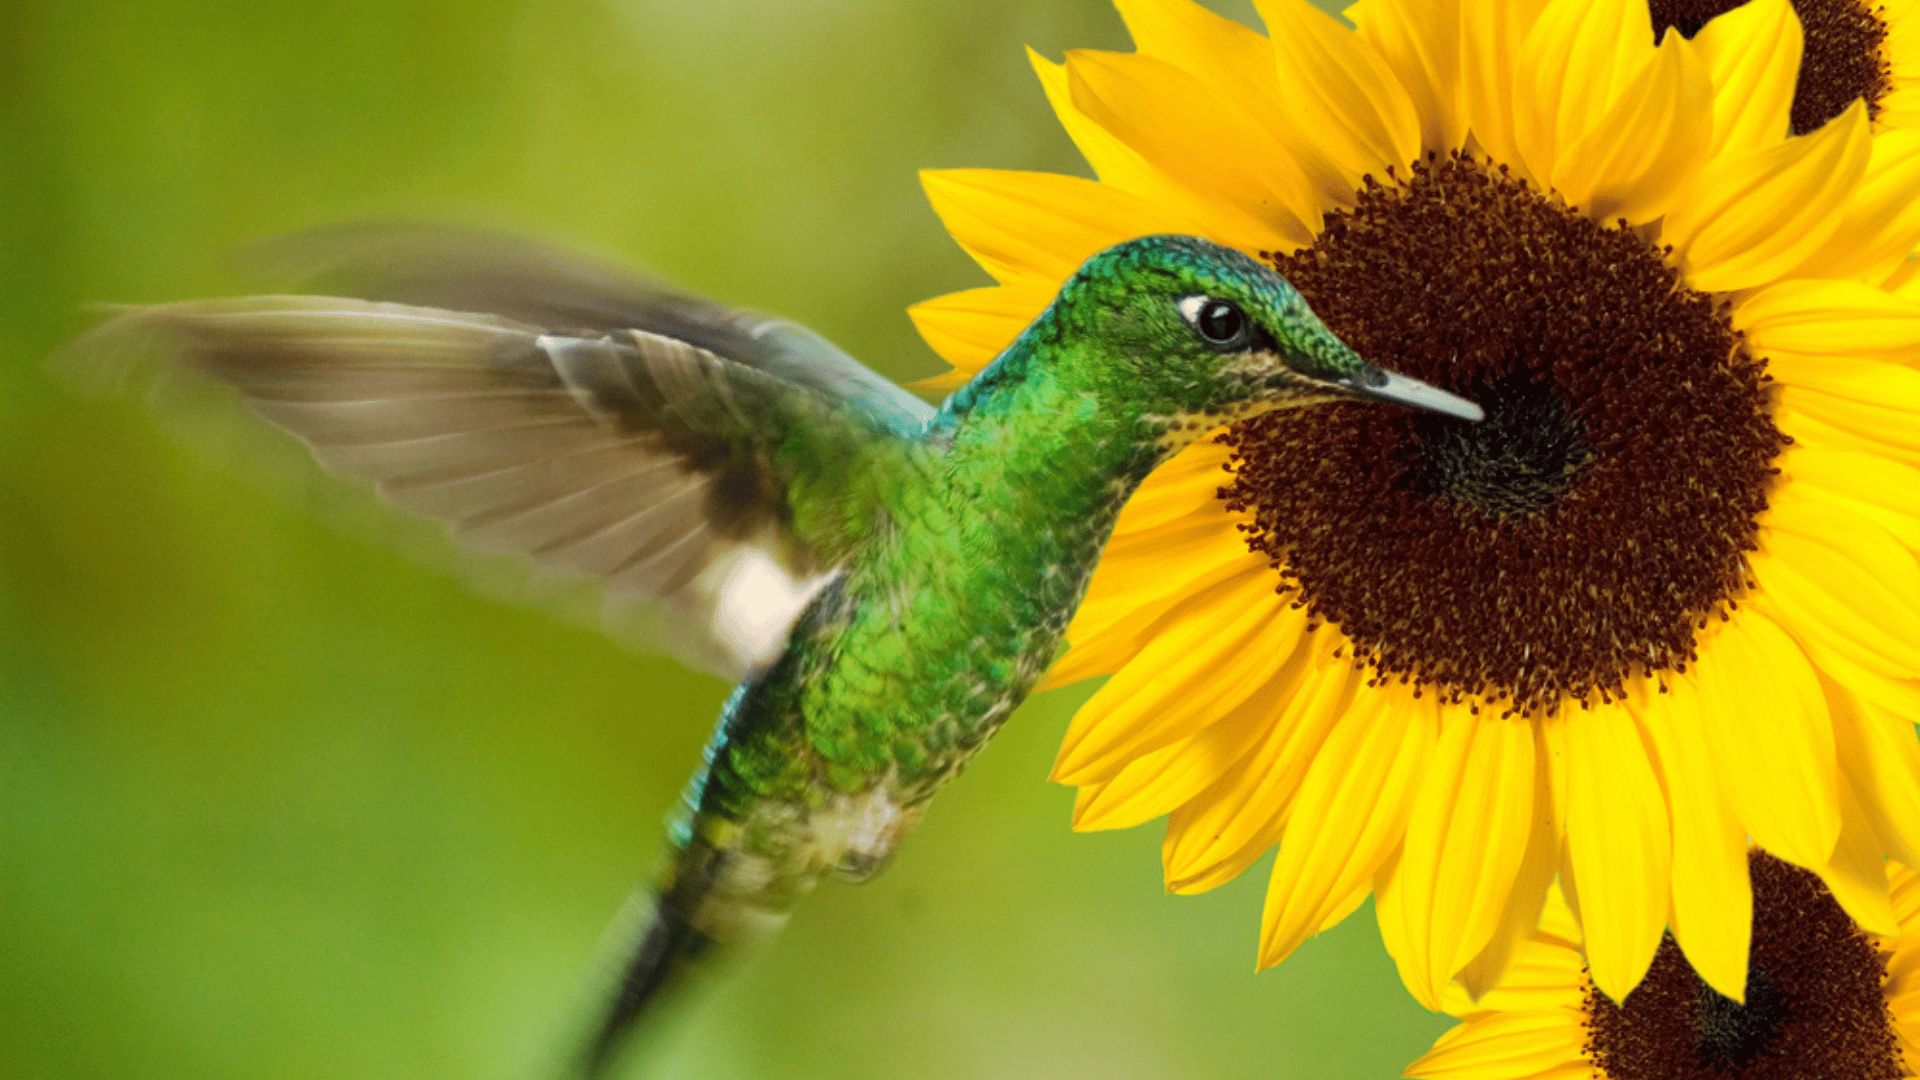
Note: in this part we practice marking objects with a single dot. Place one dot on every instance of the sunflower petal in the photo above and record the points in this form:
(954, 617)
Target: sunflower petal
(1113, 161)
(1237, 64)
(1339, 91)
(1509, 1044)
(1034, 228)
(1882, 221)
(1576, 61)
(1349, 815)
(1544, 974)
(1420, 42)
(1619, 846)
(1712, 914)
(1160, 782)
(1857, 873)
(1805, 324)
(1880, 763)
(1530, 896)
(968, 329)
(1189, 483)
(1748, 219)
(1647, 145)
(1753, 53)
(1465, 843)
(1766, 725)
(1199, 140)
(1139, 584)
(1835, 574)
(1886, 492)
(1195, 668)
(1492, 33)
(1242, 814)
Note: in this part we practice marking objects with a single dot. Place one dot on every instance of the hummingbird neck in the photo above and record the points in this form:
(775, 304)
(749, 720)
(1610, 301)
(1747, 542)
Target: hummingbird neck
(1043, 421)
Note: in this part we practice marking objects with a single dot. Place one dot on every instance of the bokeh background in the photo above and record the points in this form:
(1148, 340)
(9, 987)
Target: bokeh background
(277, 802)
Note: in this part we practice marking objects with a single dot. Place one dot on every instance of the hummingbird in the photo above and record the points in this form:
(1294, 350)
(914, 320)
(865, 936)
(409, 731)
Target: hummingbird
(885, 580)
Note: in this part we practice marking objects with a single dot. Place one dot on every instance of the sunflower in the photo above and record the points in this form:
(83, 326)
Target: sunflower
(1823, 998)
(1855, 50)
(1663, 599)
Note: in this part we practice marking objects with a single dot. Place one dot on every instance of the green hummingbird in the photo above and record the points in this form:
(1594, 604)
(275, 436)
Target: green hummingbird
(886, 580)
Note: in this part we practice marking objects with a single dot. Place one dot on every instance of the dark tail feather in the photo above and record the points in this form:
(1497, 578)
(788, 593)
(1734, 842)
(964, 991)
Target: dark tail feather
(701, 915)
(672, 949)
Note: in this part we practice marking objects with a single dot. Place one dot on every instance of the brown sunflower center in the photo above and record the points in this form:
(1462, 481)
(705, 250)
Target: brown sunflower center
(1577, 536)
(1842, 59)
(1814, 1004)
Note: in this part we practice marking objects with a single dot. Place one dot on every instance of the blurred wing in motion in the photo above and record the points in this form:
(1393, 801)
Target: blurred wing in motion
(713, 494)
(519, 279)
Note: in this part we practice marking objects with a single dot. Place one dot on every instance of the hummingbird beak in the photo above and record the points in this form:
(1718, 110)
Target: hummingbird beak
(1371, 383)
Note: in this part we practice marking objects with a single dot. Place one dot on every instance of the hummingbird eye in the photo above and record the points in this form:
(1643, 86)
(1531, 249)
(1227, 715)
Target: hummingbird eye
(1218, 322)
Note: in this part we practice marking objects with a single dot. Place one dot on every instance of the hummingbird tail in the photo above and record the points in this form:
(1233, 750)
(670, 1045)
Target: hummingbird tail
(699, 914)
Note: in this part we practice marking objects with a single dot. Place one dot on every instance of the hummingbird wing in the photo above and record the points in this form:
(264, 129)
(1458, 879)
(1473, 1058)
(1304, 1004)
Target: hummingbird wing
(524, 280)
(717, 493)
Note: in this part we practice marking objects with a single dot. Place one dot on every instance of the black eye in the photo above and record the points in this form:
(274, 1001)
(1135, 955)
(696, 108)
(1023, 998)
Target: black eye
(1220, 322)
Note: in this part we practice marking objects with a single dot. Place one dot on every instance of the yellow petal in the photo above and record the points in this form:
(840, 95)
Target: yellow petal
(1619, 846)
(1880, 763)
(1547, 973)
(1816, 419)
(1349, 815)
(1647, 145)
(1528, 898)
(1753, 53)
(1200, 665)
(1139, 582)
(968, 329)
(1187, 484)
(1237, 64)
(1882, 221)
(1712, 912)
(1420, 42)
(1886, 492)
(1166, 779)
(1113, 161)
(1857, 873)
(1903, 887)
(1834, 573)
(1889, 388)
(1466, 840)
(1203, 142)
(1241, 815)
(1806, 322)
(1492, 33)
(1037, 228)
(1748, 219)
(1765, 719)
(1509, 1044)
(1888, 428)
(1339, 92)
(1577, 60)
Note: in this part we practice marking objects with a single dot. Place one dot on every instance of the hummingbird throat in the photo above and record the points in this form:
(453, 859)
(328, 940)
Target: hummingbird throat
(1583, 532)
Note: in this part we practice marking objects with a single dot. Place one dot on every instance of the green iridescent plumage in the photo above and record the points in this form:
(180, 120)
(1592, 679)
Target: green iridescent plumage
(890, 580)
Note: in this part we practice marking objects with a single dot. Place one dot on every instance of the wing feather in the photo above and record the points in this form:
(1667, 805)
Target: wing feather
(630, 455)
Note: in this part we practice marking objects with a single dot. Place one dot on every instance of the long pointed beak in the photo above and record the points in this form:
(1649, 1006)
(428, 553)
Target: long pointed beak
(1378, 384)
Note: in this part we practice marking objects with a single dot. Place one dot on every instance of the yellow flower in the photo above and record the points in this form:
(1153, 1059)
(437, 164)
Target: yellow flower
(1823, 998)
(1609, 633)
(1855, 50)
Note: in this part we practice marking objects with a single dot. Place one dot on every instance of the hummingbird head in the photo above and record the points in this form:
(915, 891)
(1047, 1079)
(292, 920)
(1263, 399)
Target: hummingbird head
(1205, 336)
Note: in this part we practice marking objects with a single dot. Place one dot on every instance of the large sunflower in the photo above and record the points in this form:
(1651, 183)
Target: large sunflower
(1664, 598)
(1824, 998)
(1855, 50)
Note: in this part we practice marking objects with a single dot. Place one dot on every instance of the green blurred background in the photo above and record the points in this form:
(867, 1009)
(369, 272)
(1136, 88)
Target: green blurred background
(277, 802)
